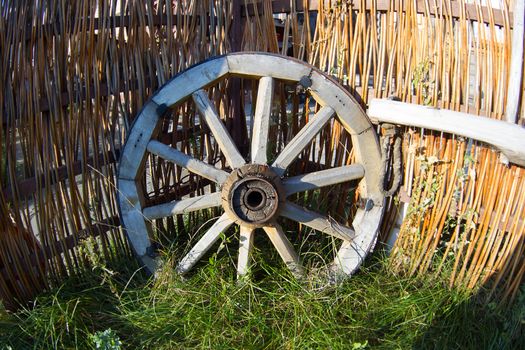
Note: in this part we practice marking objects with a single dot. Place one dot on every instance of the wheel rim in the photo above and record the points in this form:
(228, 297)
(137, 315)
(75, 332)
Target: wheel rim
(254, 193)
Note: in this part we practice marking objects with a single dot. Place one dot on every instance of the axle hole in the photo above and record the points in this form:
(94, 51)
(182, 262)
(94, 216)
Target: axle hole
(254, 199)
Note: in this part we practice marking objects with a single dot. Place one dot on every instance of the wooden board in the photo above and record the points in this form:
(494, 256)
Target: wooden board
(507, 138)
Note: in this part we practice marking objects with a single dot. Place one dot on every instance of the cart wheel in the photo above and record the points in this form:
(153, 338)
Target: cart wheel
(254, 192)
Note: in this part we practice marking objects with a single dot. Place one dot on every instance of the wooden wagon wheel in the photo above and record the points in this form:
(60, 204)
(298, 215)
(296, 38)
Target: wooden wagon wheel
(254, 193)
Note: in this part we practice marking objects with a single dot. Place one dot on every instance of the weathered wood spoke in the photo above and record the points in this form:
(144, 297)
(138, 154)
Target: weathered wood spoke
(323, 178)
(285, 249)
(247, 192)
(302, 139)
(245, 250)
(204, 244)
(181, 159)
(226, 144)
(317, 221)
(182, 206)
(261, 120)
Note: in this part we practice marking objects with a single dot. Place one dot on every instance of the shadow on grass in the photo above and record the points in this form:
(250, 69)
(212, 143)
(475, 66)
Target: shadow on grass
(66, 316)
(471, 324)
(375, 309)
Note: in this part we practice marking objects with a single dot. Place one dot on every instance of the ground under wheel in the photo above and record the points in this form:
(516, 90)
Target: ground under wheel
(255, 189)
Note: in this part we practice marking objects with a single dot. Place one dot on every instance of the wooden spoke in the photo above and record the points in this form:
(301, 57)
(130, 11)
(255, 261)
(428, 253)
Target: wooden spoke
(204, 244)
(194, 165)
(317, 221)
(251, 194)
(261, 120)
(323, 178)
(226, 144)
(245, 251)
(183, 206)
(302, 139)
(285, 249)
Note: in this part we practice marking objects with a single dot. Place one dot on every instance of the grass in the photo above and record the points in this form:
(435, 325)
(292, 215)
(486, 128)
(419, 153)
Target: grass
(375, 309)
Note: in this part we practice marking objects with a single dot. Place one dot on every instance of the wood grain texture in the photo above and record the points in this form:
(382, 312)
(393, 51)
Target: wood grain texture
(506, 137)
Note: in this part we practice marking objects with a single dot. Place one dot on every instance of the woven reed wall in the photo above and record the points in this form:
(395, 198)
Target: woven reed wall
(77, 72)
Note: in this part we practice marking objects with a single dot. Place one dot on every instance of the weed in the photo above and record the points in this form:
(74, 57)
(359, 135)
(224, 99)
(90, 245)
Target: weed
(106, 340)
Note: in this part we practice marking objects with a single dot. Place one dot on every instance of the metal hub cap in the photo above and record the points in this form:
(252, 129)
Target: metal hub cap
(252, 195)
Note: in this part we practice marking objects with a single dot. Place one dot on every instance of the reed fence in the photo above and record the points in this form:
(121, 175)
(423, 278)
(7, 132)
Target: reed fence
(76, 73)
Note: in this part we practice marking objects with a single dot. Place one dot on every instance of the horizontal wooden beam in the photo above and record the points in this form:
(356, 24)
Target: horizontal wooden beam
(69, 243)
(506, 137)
(28, 187)
(469, 11)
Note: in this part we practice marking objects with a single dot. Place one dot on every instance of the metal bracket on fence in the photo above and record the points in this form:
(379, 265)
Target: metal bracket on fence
(390, 159)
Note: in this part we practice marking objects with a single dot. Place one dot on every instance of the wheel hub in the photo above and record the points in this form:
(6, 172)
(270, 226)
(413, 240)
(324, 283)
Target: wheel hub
(252, 195)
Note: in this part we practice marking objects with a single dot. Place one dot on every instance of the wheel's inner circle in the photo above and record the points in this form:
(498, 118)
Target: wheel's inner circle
(254, 199)
(252, 195)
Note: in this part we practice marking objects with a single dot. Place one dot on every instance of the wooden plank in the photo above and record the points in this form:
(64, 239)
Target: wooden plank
(204, 244)
(186, 83)
(245, 251)
(353, 253)
(27, 187)
(322, 178)
(470, 10)
(327, 91)
(302, 139)
(181, 159)
(316, 221)
(261, 121)
(516, 64)
(182, 206)
(144, 129)
(222, 137)
(285, 249)
(267, 65)
(135, 225)
(507, 138)
(71, 241)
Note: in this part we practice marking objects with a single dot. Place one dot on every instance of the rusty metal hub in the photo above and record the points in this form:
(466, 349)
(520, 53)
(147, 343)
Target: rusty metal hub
(252, 195)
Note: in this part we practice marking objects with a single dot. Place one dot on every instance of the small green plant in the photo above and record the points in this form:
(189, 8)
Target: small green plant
(422, 79)
(360, 346)
(106, 340)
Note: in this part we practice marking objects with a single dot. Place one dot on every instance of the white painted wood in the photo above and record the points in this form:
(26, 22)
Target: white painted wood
(187, 82)
(335, 101)
(194, 165)
(245, 251)
(267, 65)
(136, 227)
(322, 178)
(150, 263)
(183, 206)
(226, 144)
(316, 221)
(285, 249)
(261, 120)
(302, 139)
(204, 244)
(516, 64)
(328, 93)
(144, 128)
(507, 138)
(352, 117)
(353, 253)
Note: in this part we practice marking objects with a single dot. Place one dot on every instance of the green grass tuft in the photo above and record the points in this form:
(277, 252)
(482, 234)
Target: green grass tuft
(375, 309)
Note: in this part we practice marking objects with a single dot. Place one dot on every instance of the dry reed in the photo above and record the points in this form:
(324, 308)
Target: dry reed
(76, 73)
